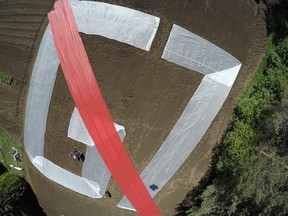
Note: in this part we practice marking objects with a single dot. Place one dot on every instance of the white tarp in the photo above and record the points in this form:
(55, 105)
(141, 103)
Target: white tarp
(193, 52)
(115, 22)
(68, 179)
(40, 91)
(128, 28)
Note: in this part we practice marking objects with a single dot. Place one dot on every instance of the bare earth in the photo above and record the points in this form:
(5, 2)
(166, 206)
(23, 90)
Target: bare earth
(143, 92)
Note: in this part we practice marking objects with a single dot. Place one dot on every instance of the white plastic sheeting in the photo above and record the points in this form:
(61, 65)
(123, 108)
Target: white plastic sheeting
(95, 171)
(193, 52)
(78, 131)
(115, 22)
(40, 91)
(122, 24)
(94, 167)
(68, 179)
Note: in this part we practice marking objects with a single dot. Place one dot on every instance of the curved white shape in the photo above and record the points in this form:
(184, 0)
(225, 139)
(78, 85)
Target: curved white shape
(125, 25)
(68, 179)
(193, 52)
(115, 22)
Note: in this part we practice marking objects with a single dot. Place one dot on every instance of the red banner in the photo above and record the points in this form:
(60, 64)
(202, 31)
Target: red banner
(90, 103)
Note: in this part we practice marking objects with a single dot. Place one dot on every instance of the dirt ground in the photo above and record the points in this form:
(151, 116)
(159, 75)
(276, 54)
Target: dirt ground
(143, 92)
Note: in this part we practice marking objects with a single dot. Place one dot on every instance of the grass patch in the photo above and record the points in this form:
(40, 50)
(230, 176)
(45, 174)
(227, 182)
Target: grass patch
(16, 195)
(6, 79)
(6, 144)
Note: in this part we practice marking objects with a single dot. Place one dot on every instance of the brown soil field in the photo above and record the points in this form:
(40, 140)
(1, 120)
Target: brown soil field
(143, 92)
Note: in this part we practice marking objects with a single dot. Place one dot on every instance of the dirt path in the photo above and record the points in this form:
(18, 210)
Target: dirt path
(143, 92)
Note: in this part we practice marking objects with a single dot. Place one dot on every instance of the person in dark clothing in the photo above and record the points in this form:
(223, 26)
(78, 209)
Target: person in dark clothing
(77, 154)
(15, 155)
(107, 194)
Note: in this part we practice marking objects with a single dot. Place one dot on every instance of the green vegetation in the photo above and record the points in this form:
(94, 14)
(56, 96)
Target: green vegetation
(249, 170)
(12, 189)
(6, 144)
(16, 195)
(6, 79)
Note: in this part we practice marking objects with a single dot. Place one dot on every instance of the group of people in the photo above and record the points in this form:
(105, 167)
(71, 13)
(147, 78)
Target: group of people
(77, 154)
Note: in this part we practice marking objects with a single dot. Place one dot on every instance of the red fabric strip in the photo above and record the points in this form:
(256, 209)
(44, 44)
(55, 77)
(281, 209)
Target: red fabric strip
(90, 103)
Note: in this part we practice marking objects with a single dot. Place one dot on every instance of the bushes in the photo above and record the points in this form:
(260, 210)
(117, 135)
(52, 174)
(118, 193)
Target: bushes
(283, 51)
(6, 79)
(2, 169)
(12, 189)
(17, 197)
(276, 20)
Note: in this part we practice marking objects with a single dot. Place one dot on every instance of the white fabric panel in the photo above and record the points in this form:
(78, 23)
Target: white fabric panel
(226, 77)
(40, 91)
(193, 52)
(77, 129)
(95, 170)
(92, 18)
(120, 130)
(68, 179)
(115, 22)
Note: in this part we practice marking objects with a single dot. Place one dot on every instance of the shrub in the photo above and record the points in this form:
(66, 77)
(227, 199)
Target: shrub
(6, 79)
(2, 169)
(12, 188)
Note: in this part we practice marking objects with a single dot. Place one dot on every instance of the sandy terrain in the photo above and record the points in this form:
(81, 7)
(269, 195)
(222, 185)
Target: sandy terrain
(143, 92)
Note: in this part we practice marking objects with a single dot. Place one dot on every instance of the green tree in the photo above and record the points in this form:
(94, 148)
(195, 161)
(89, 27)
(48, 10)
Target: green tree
(17, 197)
(211, 202)
(12, 188)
